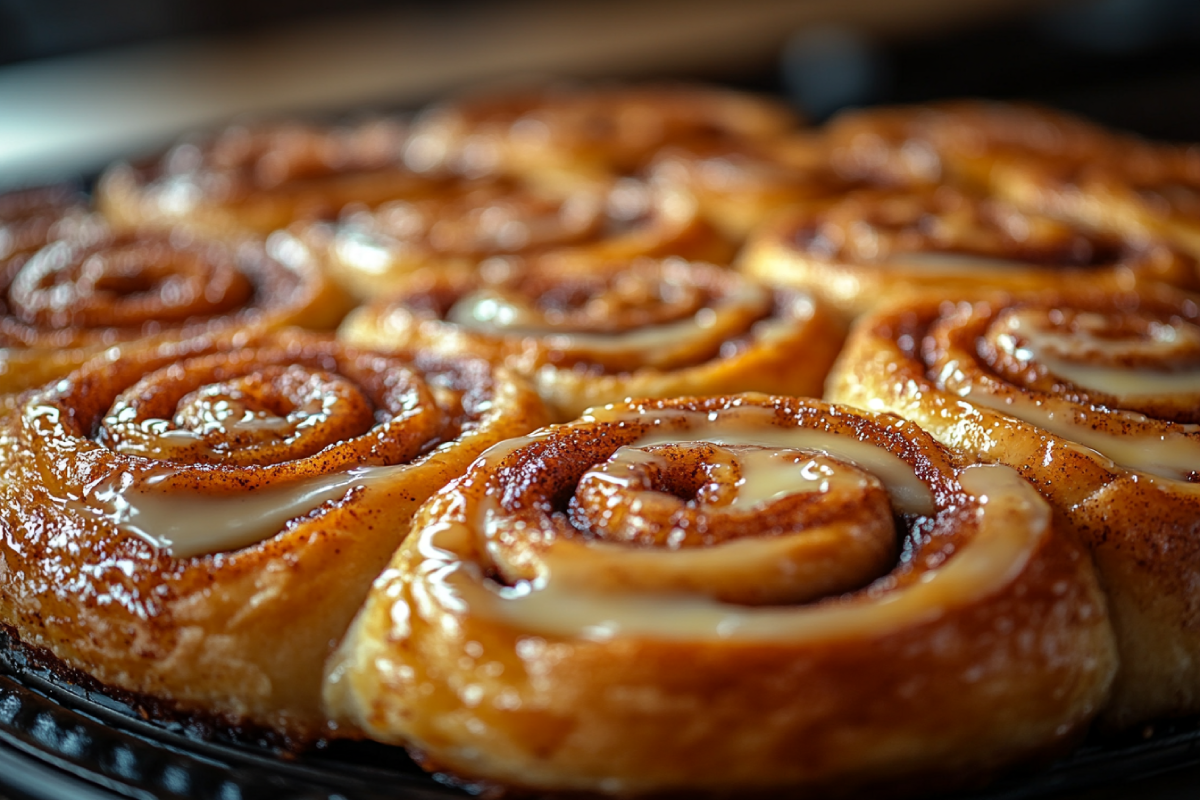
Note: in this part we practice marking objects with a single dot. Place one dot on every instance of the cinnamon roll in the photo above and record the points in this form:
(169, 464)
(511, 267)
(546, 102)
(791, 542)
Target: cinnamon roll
(1147, 191)
(372, 251)
(561, 133)
(594, 334)
(31, 218)
(959, 141)
(253, 179)
(740, 183)
(857, 249)
(1093, 397)
(91, 287)
(1041, 160)
(735, 595)
(195, 524)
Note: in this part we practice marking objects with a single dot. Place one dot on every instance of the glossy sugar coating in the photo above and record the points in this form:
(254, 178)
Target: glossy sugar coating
(196, 523)
(1092, 396)
(521, 637)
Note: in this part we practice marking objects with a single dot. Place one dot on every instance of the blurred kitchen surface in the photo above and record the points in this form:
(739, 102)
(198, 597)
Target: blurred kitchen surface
(82, 82)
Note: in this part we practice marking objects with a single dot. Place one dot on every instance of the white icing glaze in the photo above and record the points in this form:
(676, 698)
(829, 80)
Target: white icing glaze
(1061, 352)
(365, 253)
(956, 263)
(752, 425)
(1012, 517)
(766, 473)
(659, 345)
(909, 495)
(187, 524)
(1172, 451)
(770, 474)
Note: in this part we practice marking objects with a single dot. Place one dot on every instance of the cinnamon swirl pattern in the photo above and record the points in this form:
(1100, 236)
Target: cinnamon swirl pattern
(871, 244)
(88, 287)
(31, 218)
(371, 252)
(738, 593)
(1093, 397)
(1041, 160)
(740, 183)
(960, 142)
(253, 179)
(1147, 191)
(588, 335)
(560, 134)
(196, 523)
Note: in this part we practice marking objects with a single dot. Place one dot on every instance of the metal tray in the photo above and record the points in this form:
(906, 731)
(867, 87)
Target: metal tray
(64, 741)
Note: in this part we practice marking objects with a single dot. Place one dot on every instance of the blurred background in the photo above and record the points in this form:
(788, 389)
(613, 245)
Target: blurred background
(85, 81)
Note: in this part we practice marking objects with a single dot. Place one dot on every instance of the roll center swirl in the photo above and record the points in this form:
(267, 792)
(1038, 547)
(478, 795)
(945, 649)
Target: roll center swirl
(125, 283)
(1132, 360)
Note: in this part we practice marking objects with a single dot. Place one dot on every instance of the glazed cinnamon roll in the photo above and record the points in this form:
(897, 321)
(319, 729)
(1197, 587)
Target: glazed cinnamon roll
(739, 595)
(195, 524)
(872, 244)
(1093, 397)
(559, 134)
(740, 183)
(253, 179)
(594, 334)
(92, 287)
(1148, 191)
(1041, 160)
(959, 142)
(371, 252)
(31, 218)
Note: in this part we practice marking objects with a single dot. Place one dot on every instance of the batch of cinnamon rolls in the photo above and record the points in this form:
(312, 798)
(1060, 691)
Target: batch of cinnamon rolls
(619, 440)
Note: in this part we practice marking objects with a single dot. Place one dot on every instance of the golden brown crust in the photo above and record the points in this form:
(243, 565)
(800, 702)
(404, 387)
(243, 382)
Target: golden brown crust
(88, 287)
(372, 252)
(1145, 191)
(257, 178)
(513, 641)
(874, 244)
(31, 218)
(1041, 160)
(959, 141)
(593, 334)
(1088, 395)
(559, 134)
(129, 485)
(739, 183)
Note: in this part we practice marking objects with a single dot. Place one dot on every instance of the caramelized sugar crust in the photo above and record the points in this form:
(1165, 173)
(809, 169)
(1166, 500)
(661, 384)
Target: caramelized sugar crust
(1041, 160)
(196, 438)
(466, 222)
(72, 286)
(562, 133)
(1093, 397)
(858, 248)
(589, 334)
(582, 611)
(739, 183)
(249, 179)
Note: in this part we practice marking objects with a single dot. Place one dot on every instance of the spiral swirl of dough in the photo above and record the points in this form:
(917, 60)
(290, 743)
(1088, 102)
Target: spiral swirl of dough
(253, 179)
(683, 595)
(859, 248)
(738, 183)
(588, 334)
(561, 134)
(1093, 397)
(195, 523)
(960, 142)
(92, 287)
(373, 251)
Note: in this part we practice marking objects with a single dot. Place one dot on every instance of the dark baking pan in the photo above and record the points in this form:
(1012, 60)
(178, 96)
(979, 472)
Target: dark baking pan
(63, 741)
